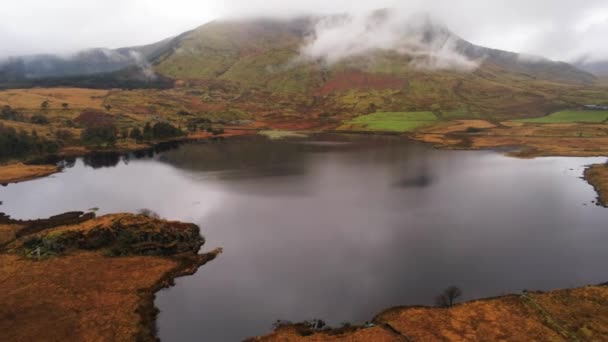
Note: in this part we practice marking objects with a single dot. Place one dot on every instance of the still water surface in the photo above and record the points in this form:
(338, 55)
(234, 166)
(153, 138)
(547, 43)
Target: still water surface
(340, 230)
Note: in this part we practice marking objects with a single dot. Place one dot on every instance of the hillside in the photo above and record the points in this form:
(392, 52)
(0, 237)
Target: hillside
(88, 62)
(267, 51)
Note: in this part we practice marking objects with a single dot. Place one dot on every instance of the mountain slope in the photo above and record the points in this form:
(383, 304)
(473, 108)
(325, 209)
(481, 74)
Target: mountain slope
(289, 69)
(83, 63)
(260, 51)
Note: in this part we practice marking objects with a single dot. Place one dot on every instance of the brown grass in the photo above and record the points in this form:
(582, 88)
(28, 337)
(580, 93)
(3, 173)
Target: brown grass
(597, 176)
(19, 172)
(85, 297)
(578, 314)
(534, 140)
(33, 98)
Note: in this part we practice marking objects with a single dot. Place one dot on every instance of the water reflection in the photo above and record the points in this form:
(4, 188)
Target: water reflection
(341, 230)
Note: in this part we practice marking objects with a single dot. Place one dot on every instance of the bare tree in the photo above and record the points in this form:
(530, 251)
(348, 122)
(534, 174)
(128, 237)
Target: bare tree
(448, 297)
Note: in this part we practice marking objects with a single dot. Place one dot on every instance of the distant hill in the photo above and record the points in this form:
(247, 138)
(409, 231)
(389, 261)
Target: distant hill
(103, 64)
(598, 68)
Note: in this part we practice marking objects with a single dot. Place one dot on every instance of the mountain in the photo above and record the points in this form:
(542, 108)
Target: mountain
(323, 66)
(255, 49)
(88, 62)
(598, 68)
(262, 51)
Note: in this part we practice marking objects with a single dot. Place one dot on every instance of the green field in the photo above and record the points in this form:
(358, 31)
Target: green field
(569, 116)
(392, 121)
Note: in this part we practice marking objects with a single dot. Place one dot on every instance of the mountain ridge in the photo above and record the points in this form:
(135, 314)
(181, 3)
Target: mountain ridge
(205, 53)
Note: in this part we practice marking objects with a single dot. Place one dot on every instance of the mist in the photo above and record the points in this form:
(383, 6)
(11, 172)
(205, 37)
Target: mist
(430, 44)
(556, 29)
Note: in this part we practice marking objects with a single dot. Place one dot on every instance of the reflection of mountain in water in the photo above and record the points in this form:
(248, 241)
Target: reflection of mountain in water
(247, 157)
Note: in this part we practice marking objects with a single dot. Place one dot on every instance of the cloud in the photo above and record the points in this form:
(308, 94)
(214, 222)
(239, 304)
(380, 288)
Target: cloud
(432, 46)
(142, 63)
(557, 29)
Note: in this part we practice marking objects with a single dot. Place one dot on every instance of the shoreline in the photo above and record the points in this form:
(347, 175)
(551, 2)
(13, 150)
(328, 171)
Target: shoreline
(597, 176)
(106, 286)
(147, 309)
(187, 264)
(20, 172)
(562, 315)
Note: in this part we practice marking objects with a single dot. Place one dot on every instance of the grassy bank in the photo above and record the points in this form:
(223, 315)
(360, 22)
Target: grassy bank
(597, 176)
(19, 172)
(571, 116)
(565, 315)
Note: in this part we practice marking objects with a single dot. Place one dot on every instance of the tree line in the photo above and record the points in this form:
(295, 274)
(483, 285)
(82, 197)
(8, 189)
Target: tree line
(18, 144)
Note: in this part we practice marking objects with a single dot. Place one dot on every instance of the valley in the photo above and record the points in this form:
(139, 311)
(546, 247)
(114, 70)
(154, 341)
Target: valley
(437, 150)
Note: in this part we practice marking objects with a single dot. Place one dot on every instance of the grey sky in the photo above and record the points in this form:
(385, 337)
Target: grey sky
(558, 29)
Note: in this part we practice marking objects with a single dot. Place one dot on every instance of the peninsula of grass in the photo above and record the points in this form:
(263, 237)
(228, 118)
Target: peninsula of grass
(391, 121)
(571, 116)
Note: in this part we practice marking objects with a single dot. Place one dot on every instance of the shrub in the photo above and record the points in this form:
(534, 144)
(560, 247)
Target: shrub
(39, 120)
(64, 135)
(99, 135)
(8, 113)
(163, 130)
(136, 134)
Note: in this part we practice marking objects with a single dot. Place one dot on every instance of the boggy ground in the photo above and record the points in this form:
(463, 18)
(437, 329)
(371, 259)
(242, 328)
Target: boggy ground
(527, 140)
(565, 315)
(74, 277)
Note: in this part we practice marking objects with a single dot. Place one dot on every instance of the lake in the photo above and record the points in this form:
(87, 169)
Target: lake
(339, 228)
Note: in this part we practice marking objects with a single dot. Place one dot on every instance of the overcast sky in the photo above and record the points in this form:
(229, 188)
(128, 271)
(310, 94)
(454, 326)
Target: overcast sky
(558, 29)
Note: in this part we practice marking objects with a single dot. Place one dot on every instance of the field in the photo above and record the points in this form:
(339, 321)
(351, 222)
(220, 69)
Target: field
(278, 135)
(568, 116)
(391, 121)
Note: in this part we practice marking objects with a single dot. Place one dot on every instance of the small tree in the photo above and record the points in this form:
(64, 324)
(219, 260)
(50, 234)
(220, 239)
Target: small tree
(136, 134)
(44, 105)
(64, 135)
(39, 119)
(98, 135)
(147, 131)
(448, 297)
